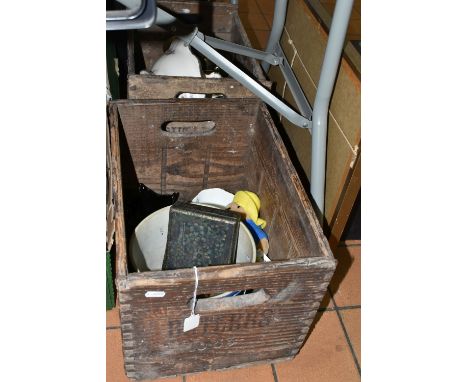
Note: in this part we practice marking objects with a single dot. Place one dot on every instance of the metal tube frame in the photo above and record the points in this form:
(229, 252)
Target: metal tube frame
(328, 74)
(293, 84)
(315, 118)
(243, 50)
(279, 18)
(196, 40)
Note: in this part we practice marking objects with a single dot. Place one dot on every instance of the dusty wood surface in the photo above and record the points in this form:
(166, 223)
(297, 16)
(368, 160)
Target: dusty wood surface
(162, 87)
(214, 19)
(285, 204)
(169, 163)
(244, 151)
(240, 366)
(215, 274)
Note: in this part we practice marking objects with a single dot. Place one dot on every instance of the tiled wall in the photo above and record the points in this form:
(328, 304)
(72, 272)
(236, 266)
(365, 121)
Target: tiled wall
(305, 54)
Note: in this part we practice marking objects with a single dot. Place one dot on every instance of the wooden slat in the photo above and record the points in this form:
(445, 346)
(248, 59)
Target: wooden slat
(208, 16)
(110, 214)
(120, 240)
(281, 179)
(162, 87)
(184, 158)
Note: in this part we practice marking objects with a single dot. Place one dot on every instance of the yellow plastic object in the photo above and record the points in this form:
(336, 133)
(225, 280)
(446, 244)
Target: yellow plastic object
(250, 202)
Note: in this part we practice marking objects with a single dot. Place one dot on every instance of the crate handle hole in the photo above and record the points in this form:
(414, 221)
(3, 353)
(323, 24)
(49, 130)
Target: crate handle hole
(205, 305)
(189, 128)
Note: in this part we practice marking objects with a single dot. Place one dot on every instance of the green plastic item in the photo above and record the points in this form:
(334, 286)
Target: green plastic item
(110, 301)
(112, 71)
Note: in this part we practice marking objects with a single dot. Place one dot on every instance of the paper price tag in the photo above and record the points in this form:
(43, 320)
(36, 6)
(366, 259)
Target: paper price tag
(191, 322)
(155, 293)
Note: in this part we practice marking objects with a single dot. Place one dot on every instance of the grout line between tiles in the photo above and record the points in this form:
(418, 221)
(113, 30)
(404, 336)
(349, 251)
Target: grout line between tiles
(344, 245)
(348, 340)
(356, 362)
(325, 309)
(112, 327)
(275, 376)
(347, 307)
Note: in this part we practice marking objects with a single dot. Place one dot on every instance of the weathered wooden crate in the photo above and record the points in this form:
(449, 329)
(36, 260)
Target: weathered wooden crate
(243, 151)
(213, 19)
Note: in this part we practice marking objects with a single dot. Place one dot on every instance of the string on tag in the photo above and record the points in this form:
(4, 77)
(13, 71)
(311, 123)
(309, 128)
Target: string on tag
(193, 320)
(194, 299)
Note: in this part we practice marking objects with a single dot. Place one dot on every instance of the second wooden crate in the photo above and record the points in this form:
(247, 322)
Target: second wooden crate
(213, 19)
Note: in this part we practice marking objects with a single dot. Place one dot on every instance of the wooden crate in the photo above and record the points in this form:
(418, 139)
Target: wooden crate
(243, 151)
(213, 19)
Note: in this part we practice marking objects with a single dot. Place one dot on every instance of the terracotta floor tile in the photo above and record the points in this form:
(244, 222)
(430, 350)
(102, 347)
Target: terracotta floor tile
(112, 317)
(346, 282)
(262, 373)
(248, 6)
(352, 322)
(258, 38)
(325, 356)
(114, 360)
(254, 21)
(114, 357)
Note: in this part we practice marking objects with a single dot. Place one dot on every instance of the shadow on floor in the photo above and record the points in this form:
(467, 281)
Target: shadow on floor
(344, 258)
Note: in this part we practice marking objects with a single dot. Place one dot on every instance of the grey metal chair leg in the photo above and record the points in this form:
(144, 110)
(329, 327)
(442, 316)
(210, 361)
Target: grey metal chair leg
(328, 76)
(276, 29)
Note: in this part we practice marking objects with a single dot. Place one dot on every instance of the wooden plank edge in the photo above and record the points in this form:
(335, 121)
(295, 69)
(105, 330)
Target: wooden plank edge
(345, 205)
(120, 242)
(137, 376)
(299, 188)
(220, 272)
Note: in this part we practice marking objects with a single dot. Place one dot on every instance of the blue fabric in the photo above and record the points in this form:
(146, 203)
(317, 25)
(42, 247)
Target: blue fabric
(257, 233)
